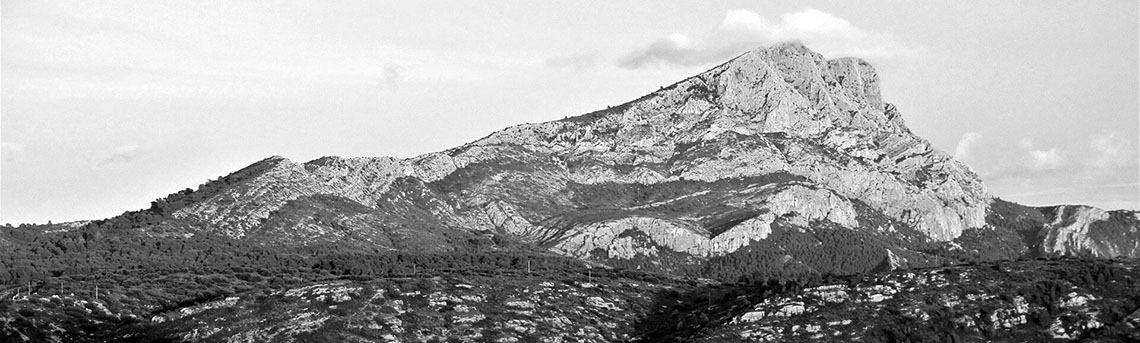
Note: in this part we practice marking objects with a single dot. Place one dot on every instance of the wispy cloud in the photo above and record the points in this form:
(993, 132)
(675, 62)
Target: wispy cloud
(1045, 159)
(1029, 162)
(11, 153)
(964, 151)
(122, 155)
(392, 75)
(1025, 143)
(1109, 151)
(742, 30)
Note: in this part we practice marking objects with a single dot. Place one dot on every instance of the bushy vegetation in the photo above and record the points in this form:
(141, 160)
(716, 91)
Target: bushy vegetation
(705, 313)
(791, 254)
(1022, 220)
(38, 257)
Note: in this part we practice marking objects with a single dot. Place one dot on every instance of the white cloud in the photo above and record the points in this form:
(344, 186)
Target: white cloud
(1025, 143)
(392, 74)
(743, 30)
(1045, 159)
(964, 150)
(11, 153)
(675, 49)
(120, 156)
(1110, 151)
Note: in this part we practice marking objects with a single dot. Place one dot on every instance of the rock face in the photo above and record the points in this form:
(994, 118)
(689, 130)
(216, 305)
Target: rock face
(1090, 231)
(702, 168)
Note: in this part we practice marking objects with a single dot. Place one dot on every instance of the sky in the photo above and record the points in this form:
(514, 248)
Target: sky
(108, 105)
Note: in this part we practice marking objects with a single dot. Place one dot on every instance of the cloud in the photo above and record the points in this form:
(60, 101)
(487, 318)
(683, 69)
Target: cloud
(1045, 159)
(742, 30)
(11, 153)
(1110, 151)
(120, 156)
(1025, 143)
(1029, 163)
(676, 49)
(575, 62)
(964, 150)
(392, 75)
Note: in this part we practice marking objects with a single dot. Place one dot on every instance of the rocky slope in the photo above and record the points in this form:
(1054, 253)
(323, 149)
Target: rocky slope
(470, 309)
(1038, 301)
(1085, 230)
(1032, 301)
(701, 168)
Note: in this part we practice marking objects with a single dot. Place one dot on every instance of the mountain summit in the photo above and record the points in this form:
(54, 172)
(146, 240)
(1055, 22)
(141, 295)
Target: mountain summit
(778, 144)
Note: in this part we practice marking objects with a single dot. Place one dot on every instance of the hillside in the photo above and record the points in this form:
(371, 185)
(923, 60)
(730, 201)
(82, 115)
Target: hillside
(749, 186)
(1043, 300)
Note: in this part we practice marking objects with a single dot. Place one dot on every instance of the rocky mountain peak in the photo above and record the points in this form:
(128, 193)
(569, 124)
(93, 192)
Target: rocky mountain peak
(786, 88)
(810, 137)
(789, 88)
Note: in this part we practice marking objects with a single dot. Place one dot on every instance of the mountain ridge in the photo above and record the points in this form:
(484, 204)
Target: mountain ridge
(773, 197)
(783, 110)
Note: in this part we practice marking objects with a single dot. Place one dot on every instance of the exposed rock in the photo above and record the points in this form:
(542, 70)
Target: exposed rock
(783, 133)
(1090, 231)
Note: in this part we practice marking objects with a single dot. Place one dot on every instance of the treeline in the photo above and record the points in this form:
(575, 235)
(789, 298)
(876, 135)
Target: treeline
(804, 254)
(406, 264)
(621, 195)
(37, 256)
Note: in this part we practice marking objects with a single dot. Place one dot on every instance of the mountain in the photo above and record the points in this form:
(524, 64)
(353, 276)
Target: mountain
(778, 138)
(758, 180)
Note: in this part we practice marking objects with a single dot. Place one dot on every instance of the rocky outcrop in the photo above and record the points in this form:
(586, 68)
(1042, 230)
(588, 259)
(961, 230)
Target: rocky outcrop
(472, 309)
(1090, 231)
(627, 237)
(243, 207)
